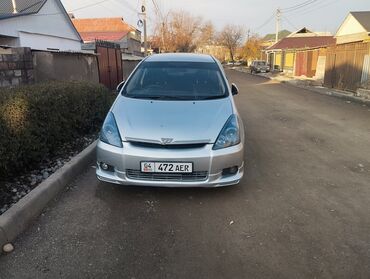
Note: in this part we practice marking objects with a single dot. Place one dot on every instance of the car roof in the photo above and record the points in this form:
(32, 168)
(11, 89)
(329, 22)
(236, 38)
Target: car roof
(180, 57)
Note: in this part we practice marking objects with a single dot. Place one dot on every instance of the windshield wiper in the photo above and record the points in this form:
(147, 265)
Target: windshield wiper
(143, 97)
(174, 98)
(209, 97)
(183, 98)
(160, 97)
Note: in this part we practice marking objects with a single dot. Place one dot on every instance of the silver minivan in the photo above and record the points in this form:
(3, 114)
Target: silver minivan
(173, 124)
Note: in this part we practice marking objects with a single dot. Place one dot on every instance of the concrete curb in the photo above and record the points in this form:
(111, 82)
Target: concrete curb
(16, 220)
(322, 91)
(329, 92)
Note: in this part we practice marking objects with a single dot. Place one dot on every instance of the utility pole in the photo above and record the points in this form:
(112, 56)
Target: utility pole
(14, 7)
(162, 35)
(278, 17)
(143, 15)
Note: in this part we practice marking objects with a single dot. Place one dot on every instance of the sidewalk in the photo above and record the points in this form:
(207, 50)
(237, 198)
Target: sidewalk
(362, 96)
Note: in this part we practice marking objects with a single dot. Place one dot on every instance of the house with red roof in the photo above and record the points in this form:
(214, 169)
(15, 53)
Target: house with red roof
(113, 29)
(299, 52)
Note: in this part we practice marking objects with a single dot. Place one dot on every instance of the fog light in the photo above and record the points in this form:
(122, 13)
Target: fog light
(106, 167)
(230, 171)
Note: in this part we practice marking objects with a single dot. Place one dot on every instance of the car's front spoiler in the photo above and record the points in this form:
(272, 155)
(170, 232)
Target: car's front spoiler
(205, 159)
(213, 181)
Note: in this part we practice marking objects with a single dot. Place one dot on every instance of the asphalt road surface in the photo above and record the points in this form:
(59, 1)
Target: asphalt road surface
(301, 211)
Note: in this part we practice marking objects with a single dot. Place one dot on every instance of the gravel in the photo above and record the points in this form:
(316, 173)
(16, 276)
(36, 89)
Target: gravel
(14, 189)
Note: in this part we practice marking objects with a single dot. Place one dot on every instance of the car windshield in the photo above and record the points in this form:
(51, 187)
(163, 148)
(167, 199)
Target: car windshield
(176, 81)
(261, 63)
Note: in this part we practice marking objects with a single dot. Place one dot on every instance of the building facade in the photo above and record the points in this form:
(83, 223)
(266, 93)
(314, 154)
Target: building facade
(40, 25)
(114, 30)
(348, 62)
(298, 53)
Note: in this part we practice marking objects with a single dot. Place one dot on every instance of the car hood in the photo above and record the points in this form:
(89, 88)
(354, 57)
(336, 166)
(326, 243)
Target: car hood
(184, 122)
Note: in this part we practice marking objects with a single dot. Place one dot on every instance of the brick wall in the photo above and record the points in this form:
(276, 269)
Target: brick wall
(16, 66)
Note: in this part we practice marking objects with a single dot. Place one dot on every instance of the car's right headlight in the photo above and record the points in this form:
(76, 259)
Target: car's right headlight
(109, 133)
(229, 135)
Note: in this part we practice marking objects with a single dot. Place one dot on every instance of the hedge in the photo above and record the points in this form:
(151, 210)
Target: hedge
(36, 120)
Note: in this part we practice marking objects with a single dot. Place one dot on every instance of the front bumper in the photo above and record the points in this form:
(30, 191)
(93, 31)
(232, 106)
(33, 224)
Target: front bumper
(204, 159)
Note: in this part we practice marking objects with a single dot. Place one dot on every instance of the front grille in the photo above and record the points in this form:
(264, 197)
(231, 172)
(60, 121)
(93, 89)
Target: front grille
(169, 146)
(194, 176)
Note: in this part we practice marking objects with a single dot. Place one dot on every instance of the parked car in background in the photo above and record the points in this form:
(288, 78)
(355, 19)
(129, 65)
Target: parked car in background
(259, 66)
(174, 124)
(234, 63)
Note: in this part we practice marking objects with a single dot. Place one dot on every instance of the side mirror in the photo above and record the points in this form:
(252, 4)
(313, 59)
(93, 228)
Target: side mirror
(119, 86)
(234, 89)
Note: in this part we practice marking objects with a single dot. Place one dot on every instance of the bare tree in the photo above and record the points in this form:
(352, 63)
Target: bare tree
(184, 29)
(252, 48)
(161, 37)
(207, 34)
(178, 32)
(231, 37)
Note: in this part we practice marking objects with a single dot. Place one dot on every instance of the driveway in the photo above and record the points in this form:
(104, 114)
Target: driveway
(301, 211)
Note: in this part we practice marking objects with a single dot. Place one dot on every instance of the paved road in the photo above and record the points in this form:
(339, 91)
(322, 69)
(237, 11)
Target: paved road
(302, 210)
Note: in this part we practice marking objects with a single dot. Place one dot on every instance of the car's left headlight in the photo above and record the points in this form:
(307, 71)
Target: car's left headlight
(229, 135)
(109, 132)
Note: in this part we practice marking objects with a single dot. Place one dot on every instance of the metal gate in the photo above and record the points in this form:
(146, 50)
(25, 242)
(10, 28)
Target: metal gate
(301, 64)
(110, 63)
(312, 57)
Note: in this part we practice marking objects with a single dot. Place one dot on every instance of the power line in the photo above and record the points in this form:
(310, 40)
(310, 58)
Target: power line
(159, 12)
(74, 10)
(288, 21)
(265, 23)
(112, 10)
(90, 5)
(155, 6)
(286, 10)
(128, 5)
(302, 8)
(319, 7)
(309, 7)
(299, 6)
(29, 7)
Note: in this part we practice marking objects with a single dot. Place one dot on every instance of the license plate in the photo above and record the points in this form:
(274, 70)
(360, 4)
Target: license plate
(263, 71)
(165, 167)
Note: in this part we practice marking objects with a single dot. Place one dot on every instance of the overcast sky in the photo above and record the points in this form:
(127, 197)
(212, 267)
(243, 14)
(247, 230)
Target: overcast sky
(317, 15)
